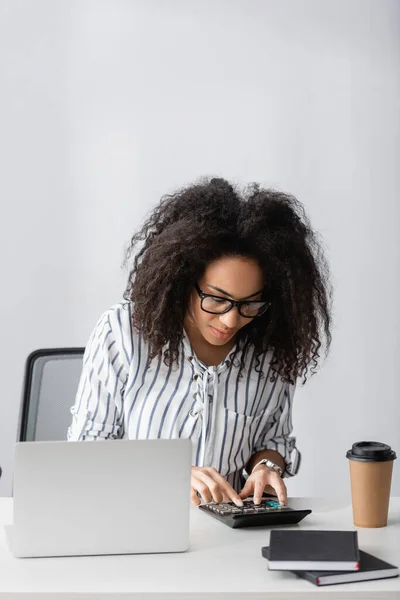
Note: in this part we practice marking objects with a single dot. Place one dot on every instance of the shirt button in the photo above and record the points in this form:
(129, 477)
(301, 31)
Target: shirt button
(228, 363)
(196, 377)
(190, 357)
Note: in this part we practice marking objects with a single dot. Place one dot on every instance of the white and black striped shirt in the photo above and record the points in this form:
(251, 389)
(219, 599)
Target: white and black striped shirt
(227, 418)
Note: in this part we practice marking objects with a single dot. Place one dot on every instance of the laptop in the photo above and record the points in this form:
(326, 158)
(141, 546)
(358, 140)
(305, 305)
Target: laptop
(104, 497)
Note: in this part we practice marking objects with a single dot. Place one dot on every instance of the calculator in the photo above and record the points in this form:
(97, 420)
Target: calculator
(269, 512)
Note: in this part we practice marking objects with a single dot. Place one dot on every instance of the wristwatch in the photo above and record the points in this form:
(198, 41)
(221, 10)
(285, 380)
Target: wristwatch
(270, 465)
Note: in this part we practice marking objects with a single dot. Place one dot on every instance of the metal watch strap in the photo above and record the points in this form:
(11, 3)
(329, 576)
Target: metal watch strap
(270, 465)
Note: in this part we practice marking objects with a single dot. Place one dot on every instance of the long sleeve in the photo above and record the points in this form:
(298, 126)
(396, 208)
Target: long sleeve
(276, 434)
(98, 409)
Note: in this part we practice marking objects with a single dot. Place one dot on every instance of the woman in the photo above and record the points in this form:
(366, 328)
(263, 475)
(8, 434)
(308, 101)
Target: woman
(227, 305)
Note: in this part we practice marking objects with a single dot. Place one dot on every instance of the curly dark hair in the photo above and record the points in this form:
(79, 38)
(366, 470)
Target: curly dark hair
(211, 219)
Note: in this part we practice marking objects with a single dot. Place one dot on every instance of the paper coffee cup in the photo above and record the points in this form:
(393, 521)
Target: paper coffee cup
(371, 465)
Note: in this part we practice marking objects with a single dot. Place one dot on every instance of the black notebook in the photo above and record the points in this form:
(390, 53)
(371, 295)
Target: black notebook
(371, 567)
(308, 550)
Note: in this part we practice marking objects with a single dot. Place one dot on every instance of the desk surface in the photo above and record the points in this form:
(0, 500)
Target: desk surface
(221, 563)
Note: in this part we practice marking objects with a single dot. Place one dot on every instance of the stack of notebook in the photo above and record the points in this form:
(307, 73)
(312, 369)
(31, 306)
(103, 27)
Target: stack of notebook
(324, 557)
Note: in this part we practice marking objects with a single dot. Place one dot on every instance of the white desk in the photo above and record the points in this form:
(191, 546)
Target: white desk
(222, 564)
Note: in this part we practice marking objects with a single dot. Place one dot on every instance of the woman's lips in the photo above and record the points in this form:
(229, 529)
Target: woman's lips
(220, 334)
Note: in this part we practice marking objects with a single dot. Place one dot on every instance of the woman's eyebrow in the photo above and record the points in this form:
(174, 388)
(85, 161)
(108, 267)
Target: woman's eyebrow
(214, 287)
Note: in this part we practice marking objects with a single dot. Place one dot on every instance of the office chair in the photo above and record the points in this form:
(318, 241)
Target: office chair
(50, 385)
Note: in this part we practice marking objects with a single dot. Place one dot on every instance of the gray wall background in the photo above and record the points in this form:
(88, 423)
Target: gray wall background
(105, 105)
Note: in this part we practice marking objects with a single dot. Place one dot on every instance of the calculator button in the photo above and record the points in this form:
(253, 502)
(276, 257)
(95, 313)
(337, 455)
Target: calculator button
(273, 504)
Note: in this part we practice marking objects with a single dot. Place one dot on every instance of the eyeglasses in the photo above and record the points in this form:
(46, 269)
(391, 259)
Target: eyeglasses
(218, 305)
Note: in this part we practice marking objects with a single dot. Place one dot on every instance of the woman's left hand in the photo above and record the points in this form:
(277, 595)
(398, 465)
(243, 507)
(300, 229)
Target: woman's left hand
(256, 483)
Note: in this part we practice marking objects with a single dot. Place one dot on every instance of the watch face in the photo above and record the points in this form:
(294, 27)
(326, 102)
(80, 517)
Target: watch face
(268, 463)
(274, 467)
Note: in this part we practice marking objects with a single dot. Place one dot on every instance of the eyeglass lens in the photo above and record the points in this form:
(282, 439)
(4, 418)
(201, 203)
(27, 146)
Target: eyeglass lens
(220, 305)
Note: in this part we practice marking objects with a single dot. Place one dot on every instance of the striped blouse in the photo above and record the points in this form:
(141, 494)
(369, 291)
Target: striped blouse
(227, 417)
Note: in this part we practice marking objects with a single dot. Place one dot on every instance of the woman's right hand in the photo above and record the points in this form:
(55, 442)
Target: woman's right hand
(211, 487)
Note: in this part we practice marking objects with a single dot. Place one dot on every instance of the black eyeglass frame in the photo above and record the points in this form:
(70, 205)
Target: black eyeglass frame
(232, 303)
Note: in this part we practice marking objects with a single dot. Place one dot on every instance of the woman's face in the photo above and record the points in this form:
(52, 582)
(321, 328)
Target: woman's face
(236, 278)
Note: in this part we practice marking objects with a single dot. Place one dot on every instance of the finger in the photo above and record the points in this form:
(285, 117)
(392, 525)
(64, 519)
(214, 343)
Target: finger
(215, 490)
(280, 489)
(194, 497)
(206, 496)
(227, 490)
(216, 494)
(229, 494)
(203, 490)
(208, 485)
(276, 486)
(247, 489)
(234, 496)
(259, 486)
(219, 486)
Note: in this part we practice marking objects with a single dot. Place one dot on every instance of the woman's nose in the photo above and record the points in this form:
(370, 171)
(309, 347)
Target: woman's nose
(230, 319)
